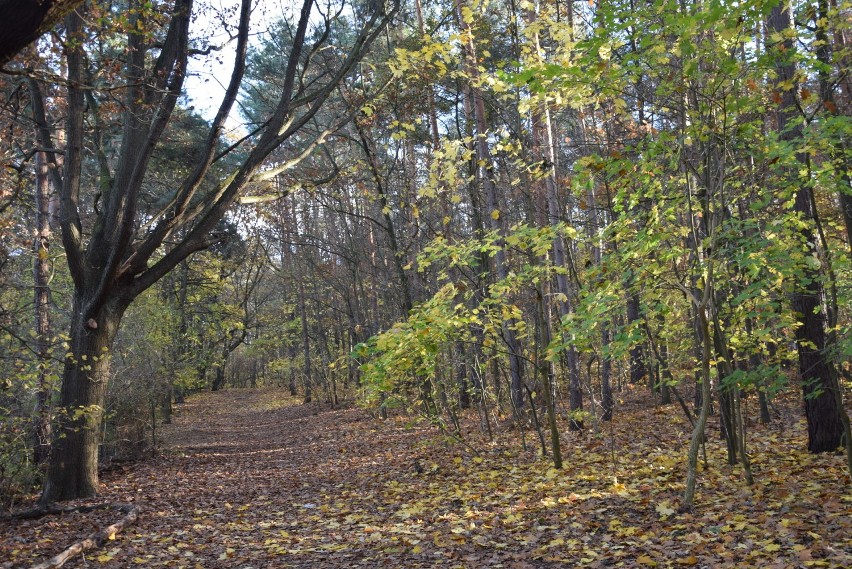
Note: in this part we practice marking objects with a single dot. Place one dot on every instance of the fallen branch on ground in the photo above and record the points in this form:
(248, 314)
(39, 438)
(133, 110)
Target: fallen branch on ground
(52, 510)
(95, 540)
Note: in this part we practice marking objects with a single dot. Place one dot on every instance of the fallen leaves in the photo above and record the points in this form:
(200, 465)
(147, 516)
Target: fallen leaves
(247, 482)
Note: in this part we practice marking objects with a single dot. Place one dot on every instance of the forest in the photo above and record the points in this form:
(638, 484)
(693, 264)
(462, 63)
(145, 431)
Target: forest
(519, 283)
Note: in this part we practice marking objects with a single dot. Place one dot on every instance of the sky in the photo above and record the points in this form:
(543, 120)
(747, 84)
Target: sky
(213, 20)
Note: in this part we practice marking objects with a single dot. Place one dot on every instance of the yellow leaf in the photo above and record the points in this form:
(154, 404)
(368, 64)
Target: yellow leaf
(416, 549)
(691, 560)
(495, 214)
(772, 547)
(645, 560)
(664, 510)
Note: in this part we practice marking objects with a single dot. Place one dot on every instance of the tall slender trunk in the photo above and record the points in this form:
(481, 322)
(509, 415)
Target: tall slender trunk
(607, 400)
(703, 327)
(836, 99)
(389, 227)
(638, 368)
(543, 139)
(41, 286)
(302, 304)
(547, 377)
(492, 209)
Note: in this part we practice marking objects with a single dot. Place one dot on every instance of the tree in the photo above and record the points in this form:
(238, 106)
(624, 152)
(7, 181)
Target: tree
(118, 249)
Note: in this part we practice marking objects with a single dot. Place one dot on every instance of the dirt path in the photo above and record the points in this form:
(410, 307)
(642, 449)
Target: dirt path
(246, 479)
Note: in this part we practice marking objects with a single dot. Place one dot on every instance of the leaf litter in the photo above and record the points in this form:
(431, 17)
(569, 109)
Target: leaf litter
(252, 478)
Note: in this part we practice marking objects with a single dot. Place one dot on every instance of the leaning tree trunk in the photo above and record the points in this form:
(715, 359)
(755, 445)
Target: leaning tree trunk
(73, 469)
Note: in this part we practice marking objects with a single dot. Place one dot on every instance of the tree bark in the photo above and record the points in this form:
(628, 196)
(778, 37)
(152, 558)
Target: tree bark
(112, 260)
(638, 369)
(73, 469)
(41, 286)
(302, 303)
(820, 385)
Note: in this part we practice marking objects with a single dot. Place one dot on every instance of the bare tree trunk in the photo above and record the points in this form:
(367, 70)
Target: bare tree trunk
(41, 286)
(638, 367)
(607, 400)
(492, 210)
(302, 305)
(697, 440)
(543, 138)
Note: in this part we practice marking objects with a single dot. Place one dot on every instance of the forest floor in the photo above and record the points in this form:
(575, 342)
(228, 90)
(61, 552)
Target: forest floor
(251, 479)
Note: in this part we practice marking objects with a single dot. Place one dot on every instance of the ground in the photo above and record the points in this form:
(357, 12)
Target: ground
(252, 479)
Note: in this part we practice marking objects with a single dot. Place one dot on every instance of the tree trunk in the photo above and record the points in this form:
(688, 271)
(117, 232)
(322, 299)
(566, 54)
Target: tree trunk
(306, 339)
(607, 400)
(41, 286)
(820, 384)
(638, 369)
(110, 256)
(545, 155)
(703, 327)
(73, 469)
(476, 108)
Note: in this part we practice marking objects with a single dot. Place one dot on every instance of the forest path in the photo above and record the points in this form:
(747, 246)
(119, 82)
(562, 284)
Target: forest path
(246, 478)
(253, 479)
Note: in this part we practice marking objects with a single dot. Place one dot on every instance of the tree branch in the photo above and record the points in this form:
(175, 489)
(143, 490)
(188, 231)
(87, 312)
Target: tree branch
(96, 539)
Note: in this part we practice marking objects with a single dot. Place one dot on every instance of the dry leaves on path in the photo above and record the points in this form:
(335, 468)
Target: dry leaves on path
(252, 479)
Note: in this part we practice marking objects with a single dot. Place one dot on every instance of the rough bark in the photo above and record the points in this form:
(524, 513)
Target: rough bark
(113, 260)
(73, 469)
(820, 385)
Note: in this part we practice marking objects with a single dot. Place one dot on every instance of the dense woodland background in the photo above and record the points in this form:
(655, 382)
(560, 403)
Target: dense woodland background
(512, 210)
